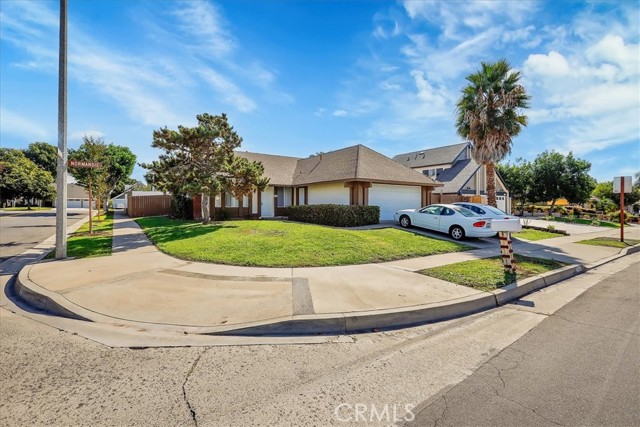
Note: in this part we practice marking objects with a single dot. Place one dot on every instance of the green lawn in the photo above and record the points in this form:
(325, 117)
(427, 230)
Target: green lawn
(81, 244)
(24, 208)
(286, 244)
(533, 235)
(610, 242)
(488, 274)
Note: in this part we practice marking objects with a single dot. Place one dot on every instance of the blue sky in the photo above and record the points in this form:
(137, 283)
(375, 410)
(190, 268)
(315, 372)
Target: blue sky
(299, 77)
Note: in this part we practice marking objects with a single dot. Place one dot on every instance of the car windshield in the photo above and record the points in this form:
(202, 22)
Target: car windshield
(463, 211)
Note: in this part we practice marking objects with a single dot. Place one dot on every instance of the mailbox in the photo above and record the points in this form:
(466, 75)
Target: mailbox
(509, 225)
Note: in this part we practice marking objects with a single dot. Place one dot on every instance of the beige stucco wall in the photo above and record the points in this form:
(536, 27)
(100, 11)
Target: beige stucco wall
(328, 193)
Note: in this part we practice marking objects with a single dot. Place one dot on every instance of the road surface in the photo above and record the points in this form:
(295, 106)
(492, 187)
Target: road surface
(580, 366)
(21, 230)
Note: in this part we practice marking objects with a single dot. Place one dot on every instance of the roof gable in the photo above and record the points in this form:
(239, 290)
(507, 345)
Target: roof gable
(279, 169)
(358, 163)
(431, 156)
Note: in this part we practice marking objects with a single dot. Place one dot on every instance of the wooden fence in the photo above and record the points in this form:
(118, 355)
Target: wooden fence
(148, 205)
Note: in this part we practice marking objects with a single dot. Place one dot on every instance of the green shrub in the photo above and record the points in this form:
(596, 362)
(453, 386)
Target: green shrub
(336, 215)
(221, 215)
(181, 207)
(551, 227)
(615, 216)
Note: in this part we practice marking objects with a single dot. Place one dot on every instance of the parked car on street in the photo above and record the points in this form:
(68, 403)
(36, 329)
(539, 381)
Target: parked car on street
(486, 210)
(457, 221)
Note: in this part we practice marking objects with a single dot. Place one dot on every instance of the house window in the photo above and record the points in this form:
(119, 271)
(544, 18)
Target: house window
(230, 201)
(284, 197)
(218, 201)
(301, 196)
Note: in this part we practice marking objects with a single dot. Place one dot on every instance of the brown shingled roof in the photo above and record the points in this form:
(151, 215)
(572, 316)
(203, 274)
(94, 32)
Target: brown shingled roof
(279, 169)
(356, 163)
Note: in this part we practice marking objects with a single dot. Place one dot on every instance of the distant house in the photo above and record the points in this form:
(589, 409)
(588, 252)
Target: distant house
(354, 175)
(77, 197)
(120, 201)
(463, 178)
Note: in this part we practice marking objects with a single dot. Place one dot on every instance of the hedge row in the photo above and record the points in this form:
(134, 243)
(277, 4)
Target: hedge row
(335, 215)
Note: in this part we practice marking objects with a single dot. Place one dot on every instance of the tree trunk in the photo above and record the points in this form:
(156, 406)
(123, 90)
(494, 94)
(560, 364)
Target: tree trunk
(204, 208)
(491, 185)
(553, 205)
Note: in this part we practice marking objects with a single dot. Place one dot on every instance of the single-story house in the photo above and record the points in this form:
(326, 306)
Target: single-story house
(77, 197)
(463, 178)
(354, 175)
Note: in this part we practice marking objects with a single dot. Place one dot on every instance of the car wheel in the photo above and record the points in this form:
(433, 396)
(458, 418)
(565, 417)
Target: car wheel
(456, 232)
(405, 221)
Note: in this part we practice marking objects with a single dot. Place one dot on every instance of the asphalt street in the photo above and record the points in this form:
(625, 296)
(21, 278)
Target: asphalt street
(580, 366)
(22, 230)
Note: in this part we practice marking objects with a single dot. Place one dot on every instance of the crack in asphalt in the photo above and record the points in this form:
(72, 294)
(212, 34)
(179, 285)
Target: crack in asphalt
(444, 411)
(497, 392)
(594, 325)
(184, 387)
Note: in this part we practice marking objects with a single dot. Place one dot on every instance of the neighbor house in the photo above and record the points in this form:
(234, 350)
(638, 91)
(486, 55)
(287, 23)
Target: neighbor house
(355, 175)
(463, 178)
(77, 197)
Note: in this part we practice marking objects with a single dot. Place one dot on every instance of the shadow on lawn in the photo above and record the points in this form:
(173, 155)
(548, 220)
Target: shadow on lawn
(179, 230)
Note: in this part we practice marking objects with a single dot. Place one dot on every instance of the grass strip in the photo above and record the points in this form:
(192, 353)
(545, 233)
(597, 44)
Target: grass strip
(610, 242)
(488, 274)
(81, 244)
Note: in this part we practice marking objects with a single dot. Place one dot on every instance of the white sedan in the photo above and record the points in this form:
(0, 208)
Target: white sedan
(485, 210)
(457, 221)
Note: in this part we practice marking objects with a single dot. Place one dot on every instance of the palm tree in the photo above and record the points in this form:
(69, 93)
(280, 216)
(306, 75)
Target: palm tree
(488, 116)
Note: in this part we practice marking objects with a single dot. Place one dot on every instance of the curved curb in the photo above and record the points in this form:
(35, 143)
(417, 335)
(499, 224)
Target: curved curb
(332, 323)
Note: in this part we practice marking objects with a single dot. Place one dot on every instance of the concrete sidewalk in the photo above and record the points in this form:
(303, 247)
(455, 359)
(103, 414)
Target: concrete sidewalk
(140, 286)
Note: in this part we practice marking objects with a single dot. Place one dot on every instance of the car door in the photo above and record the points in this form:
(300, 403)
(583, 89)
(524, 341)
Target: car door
(447, 219)
(429, 217)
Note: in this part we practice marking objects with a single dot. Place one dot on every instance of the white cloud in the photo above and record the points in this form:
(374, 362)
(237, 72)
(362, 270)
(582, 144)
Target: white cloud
(229, 91)
(12, 123)
(553, 64)
(340, 113)
(204, 21)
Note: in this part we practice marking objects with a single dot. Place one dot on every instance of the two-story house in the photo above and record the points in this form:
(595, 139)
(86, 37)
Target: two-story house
(463, 178)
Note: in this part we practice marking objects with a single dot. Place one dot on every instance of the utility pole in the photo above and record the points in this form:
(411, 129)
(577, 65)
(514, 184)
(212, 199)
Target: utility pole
(61, 170)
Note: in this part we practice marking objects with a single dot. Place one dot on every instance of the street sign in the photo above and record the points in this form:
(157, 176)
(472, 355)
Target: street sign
(617, 184)
(83, 164)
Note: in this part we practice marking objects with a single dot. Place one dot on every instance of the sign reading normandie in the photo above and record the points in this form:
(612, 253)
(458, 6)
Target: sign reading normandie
(82, 164)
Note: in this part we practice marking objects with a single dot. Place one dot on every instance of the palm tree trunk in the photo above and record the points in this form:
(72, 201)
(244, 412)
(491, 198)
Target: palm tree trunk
(491, 185)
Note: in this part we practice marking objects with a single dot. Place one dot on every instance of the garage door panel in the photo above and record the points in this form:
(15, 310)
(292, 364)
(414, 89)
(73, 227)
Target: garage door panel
(392, 198)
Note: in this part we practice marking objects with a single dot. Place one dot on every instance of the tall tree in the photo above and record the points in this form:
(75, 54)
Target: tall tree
(488, 115)
(119, 162)
(556, 176)
(198, 160)
(20, 177)
(44, 155)
(519, 179)
(576, 182)
(242, 177)
(604, 190)
(92, 179)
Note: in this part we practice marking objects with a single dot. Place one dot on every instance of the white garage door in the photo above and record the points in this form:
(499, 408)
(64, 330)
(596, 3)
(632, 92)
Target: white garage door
(392, 198)
(76, 203)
